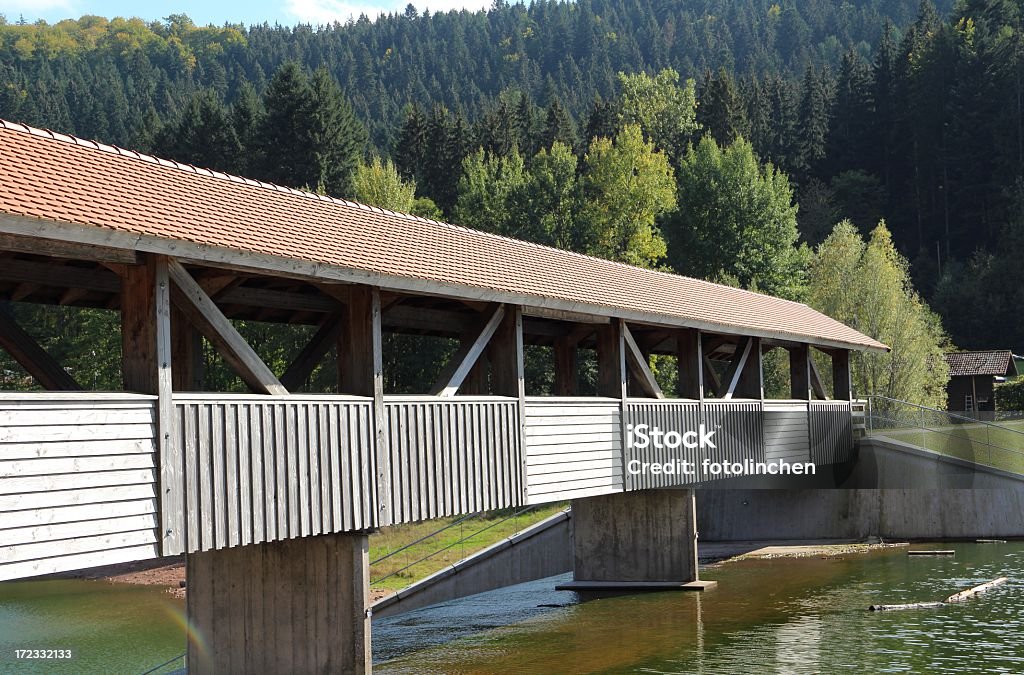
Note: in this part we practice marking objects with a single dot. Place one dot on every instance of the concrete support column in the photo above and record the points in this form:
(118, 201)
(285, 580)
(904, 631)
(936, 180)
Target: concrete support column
(644, 540)
(293, 606)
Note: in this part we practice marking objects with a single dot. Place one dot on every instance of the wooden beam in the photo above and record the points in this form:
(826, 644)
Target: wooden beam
(562, 315)
(711, 375)
(842, 379)
(458, 367)
(506, 354)
(313, 353)
(732, 375)
(611, 361)
(138, 329)
(271, 299)
(800, 372)
(211, 322)
(60, 276)
(187, 353)
(751, 384)
(361, 373)
(421, 318)
(816, 384)
(639, 366)
(66, 249)
(170, 458)
(32, 357)
(23, 291)
(689, 357)
(566, 367)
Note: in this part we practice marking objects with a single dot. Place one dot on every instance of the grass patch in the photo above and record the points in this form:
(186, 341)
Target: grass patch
(996, 446)
(457, 542)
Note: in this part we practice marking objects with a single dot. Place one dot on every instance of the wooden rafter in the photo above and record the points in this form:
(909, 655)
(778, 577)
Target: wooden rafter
(313, 353)
(639, 367)
(816, 383)
(32, 357)
(735, 371)
(456, 370)
(201, 311)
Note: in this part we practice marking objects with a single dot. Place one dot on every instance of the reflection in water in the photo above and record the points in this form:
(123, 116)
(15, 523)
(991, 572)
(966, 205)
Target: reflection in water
(802, 615)
(109, 628)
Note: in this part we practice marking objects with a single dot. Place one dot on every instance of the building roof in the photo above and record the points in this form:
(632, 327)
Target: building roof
(58, 186)
(991, 362)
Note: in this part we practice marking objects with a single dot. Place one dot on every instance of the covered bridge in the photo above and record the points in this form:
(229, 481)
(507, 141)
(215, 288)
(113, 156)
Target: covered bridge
(261, 483)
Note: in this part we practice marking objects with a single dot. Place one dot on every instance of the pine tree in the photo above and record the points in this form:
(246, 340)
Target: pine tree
(247, 121)
(202, 135)
(558, 126)
(284, 139)
(337, 137)
(721, 111)
(814, 123)
(410, 145)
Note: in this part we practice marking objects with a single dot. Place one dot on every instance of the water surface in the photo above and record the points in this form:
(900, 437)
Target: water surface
(802, 615)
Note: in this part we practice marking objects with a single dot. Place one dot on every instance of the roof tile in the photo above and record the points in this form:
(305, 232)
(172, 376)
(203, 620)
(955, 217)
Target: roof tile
(68, 180)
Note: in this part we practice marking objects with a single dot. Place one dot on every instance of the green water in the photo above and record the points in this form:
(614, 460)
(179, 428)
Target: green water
(804, 615)
(109, 628)
(769, 616)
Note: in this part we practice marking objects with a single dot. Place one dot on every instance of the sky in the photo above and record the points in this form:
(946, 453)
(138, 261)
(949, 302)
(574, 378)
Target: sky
(285, 12)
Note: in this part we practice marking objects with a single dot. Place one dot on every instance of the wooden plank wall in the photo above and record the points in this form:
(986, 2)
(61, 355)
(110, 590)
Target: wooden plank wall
(739, 429)
(831, 428)
(77, 481)
(680, 416)
(573, 448)
(267, 468)
(452, 456)
(786, 431)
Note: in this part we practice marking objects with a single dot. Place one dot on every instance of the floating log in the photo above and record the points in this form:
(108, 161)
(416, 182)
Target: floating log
(990, 541)
(911, 605)
(956, 597)
(932, 552)
(977, 590)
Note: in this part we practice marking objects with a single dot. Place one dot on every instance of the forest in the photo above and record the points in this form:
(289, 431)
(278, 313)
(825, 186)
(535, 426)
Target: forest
(840, 154)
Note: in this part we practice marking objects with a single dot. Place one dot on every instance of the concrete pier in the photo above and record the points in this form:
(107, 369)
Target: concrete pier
(293, 606)
(644, 540)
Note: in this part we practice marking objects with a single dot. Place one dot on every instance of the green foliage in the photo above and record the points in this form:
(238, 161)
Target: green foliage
(1010, 395)
(377, 183)
(867, 286)
(485, 190)
(736, 218)
(627, 184)
(664, 110)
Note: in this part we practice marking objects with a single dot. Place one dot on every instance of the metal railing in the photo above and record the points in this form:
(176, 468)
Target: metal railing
(170, 667)
(461, 541)
(1000, 446)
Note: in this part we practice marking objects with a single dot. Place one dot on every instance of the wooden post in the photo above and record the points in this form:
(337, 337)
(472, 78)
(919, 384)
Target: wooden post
(842, 380)
(800, 372)
(751, 377)
(361, 373)
(187, 348)
(566, 367)
(508, 378)
(689, 365)
(476, 383)
(32, 357)
(147, 368)
(611, 361)
(507, 357)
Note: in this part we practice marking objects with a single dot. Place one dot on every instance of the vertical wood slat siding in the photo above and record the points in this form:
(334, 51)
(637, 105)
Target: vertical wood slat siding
(77, 481)
(679, 416)
(787, 431)
(831, 426)
(739, 434)
(573, 448)
(452, 456)
(260, 469)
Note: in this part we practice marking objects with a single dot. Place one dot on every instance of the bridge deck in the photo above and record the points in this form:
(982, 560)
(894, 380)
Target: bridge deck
(81, 481)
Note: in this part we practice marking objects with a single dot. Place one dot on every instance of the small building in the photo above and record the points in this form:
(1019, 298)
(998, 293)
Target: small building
(973, 376)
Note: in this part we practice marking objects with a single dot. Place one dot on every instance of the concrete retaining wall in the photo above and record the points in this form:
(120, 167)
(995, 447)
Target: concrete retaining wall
(896, 491)
(539, 551)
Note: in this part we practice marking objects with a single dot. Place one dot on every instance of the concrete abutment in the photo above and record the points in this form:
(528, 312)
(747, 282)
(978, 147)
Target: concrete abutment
(635, 541)
(293, 606)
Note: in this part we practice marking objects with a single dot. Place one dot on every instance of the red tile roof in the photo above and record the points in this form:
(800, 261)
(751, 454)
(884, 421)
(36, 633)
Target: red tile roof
(992, 362)
(134, 200)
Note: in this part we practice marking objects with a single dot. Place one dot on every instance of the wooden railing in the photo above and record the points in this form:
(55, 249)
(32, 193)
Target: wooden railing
(80, 484)
(77, 481)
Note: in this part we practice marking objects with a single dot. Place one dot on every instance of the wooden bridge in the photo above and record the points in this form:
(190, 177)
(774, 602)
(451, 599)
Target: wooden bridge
(276, 489)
